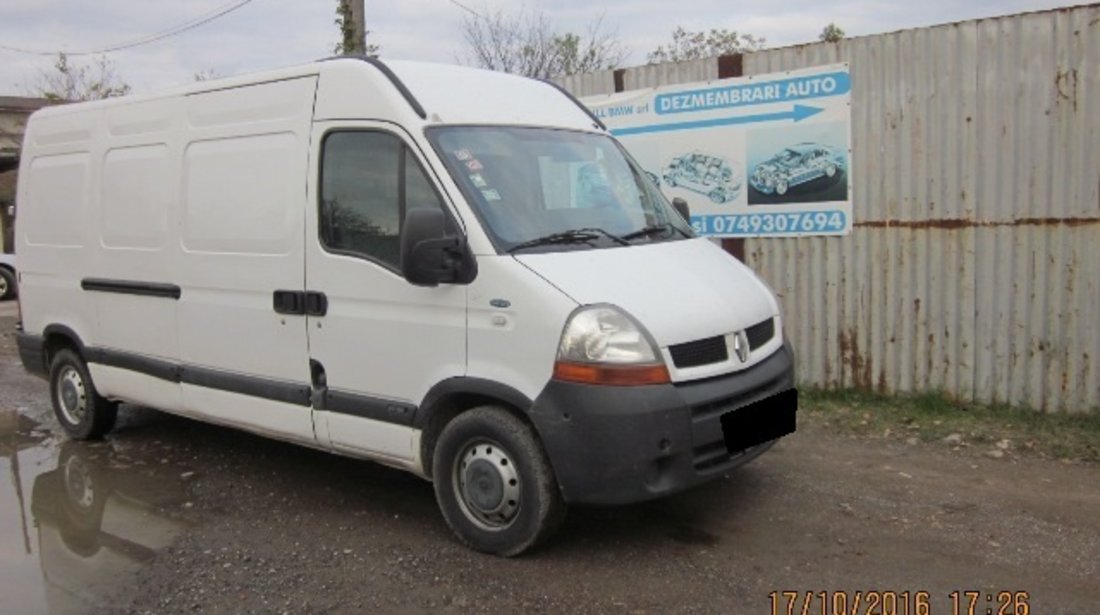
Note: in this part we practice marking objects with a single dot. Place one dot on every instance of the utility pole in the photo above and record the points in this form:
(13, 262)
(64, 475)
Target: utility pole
(358, 21)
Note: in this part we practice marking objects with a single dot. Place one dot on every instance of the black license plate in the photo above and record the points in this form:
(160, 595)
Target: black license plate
(761, 421)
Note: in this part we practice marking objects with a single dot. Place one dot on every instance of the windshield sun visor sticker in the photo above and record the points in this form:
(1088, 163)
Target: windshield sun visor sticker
(478, 180)
(491, 195)
(463, 154)
(474, 165)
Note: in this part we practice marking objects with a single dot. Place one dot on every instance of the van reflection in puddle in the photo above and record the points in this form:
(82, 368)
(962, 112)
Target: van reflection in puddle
(100, 517)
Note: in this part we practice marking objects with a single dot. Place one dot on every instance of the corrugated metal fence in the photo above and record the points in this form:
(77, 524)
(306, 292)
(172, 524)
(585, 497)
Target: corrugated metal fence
(973, 267)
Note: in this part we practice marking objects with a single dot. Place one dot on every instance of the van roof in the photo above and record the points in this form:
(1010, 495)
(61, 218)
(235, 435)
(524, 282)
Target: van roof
(349, 88)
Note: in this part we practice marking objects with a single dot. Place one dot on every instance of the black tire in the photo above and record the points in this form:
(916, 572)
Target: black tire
(8, 288)
(502, 448)
(82, 412)
(83, 495)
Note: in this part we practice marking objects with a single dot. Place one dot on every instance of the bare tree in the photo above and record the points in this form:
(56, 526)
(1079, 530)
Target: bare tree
(687, 45)
(529, 44)
(70, 81)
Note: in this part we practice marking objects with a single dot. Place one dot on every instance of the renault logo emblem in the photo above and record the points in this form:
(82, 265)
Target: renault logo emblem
(741, 346)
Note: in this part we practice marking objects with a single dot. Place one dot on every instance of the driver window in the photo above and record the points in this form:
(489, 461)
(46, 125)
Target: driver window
(368, 181)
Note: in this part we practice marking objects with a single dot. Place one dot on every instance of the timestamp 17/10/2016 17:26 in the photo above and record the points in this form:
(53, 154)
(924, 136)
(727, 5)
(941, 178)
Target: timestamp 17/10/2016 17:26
(920, 602)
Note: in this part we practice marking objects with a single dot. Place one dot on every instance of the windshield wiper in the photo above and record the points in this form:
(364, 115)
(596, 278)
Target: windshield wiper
(654, 229)
(580, 235)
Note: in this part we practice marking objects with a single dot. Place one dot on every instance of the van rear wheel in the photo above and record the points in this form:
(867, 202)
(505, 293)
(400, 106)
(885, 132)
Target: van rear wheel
(82, 412)
(494, 483)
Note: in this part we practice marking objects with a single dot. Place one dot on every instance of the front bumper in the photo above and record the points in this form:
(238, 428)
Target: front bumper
(616, 445)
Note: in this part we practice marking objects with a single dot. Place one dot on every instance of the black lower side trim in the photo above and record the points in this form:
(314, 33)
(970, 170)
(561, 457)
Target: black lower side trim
(32, 353)
(157, 368)
(367, 407)
(254, 386)
(131, 287)
(300, 394)
(275, 390)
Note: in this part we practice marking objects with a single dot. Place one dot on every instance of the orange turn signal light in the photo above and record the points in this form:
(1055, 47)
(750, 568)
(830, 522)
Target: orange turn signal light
(625, 375)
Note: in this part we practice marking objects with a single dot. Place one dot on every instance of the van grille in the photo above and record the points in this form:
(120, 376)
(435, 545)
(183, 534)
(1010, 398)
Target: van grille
(760, 333)
(713, 349)
(699, 352)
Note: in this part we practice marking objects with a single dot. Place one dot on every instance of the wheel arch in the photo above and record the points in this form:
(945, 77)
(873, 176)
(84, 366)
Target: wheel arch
(453, 396)
(56, 337)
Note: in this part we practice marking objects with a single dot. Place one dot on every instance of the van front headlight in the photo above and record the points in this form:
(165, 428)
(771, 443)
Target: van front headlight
(602, 344)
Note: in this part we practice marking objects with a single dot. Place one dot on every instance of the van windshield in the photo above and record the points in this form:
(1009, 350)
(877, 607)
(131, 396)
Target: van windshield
(543, 189)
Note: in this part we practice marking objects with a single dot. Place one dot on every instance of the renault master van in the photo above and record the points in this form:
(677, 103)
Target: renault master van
(451, 271)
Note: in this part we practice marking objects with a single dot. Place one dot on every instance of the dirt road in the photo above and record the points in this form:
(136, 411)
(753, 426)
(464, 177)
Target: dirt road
(170, 515)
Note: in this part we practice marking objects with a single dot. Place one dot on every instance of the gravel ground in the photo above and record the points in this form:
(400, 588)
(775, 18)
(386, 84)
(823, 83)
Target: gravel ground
(188, 517)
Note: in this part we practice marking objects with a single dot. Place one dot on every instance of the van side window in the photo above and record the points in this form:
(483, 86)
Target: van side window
(368, 181)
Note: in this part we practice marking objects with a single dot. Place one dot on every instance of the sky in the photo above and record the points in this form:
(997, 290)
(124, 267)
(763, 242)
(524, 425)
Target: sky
(272, 33)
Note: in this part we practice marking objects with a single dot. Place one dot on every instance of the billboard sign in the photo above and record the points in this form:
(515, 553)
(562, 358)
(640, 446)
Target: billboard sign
(768, 155)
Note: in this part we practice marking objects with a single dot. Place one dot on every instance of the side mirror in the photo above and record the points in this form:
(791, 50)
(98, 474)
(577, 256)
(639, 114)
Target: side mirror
(681, 207)
(430, 257)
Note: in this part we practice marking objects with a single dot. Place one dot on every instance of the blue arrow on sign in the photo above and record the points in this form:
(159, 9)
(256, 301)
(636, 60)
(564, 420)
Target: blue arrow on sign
(798, 113)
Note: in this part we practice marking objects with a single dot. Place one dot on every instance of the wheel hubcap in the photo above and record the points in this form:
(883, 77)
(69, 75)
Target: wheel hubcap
(71, 396)
(3, 286)
(487, 485)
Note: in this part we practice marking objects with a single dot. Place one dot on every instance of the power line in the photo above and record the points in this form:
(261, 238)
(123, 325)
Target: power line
(468, 9)
(144, 40)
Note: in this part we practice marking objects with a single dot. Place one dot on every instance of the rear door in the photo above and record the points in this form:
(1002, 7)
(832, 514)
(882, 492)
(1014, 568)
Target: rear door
(380, 343)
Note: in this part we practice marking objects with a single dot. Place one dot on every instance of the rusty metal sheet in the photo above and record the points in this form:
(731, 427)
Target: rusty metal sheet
(972, 268)
(654, 75)
(589, 84)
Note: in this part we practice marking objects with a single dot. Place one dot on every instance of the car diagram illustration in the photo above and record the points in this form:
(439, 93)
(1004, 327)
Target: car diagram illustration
(706, 174)
(796, 165)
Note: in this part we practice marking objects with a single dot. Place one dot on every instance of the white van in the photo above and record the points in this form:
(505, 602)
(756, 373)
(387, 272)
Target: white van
(451, 271)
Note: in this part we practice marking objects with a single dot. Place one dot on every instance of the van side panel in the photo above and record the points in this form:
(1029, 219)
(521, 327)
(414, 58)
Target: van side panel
(134, 214)
(135, 206)
(60, 188)
(241, 239)
(53, 239)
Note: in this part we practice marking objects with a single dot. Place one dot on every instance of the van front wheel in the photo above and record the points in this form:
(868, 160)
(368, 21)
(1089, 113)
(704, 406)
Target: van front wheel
(82, 412)
(494, 483)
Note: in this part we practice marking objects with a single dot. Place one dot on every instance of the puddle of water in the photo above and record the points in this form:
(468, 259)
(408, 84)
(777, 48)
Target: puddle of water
(78, 520)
